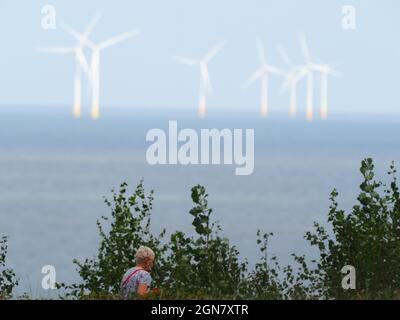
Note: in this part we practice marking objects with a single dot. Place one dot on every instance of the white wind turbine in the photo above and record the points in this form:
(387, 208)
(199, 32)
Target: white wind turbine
(80, 63)
(325, 71)
(205, 82)
(295, 74)
(95, 62)
(263, 74)
(310, 78)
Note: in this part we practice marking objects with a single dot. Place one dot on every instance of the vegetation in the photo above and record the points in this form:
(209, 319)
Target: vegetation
(206, 265)
(368, 238)
(8, 280)
(130, 228)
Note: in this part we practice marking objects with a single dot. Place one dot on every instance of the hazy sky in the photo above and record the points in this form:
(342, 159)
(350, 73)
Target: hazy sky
(142, 73)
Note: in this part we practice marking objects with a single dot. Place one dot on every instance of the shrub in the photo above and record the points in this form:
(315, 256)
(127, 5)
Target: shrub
(205, 265)
(8, 279)
(264, 281)
(129, 228)
(367, 238)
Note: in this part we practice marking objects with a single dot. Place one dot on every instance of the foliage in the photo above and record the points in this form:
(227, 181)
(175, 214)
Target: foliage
(8, 279)
(130, 228)
(264, 282)
(206, 265)
(367, 238)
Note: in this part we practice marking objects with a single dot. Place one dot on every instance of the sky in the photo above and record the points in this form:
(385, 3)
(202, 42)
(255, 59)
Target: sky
(141, 73)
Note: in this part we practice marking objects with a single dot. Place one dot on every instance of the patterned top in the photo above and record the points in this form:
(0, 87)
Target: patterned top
(129, 287)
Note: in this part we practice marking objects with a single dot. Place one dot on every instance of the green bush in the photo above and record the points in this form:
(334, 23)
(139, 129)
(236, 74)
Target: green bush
(264, 281)
(129, 228)
(8, 280)
(206, 265)
(367, 238)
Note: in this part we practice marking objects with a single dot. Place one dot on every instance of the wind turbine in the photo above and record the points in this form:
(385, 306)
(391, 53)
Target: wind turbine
(95, 62)
(263, 74)
(325, 71)
(80, 63)
(293, 76)
(310, 78)
(205, 82)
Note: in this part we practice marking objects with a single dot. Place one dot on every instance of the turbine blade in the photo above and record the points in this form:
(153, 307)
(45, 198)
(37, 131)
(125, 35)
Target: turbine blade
(83, 62)
(301, 74)
(325, 69)
(285, 57)
(92, 25)
(59, 50)
(187, 61)
(116, 39)
(68, 29)
(213, 52)
(304, 48)
(291, 80)
(254, 77)
(261, 52)
(333, 72)
(274, 70)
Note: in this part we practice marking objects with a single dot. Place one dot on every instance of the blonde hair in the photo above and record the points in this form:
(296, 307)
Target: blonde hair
(144, 254)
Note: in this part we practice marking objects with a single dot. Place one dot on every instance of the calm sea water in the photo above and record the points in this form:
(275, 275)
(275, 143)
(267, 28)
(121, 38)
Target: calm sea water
(54, 171)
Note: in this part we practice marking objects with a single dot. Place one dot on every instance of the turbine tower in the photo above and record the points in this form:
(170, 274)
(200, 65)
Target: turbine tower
(293, 77)
(325, 71)
(310, 78)
(81, 63)
(205, 82)
(262, 74)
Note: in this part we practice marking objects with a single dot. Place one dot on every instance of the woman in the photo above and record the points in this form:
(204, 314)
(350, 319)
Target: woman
(137, 280)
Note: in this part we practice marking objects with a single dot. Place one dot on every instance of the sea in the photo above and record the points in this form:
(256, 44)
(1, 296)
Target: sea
(55, 171)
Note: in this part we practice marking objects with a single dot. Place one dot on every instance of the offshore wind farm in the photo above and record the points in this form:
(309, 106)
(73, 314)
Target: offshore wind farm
(292, 76)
